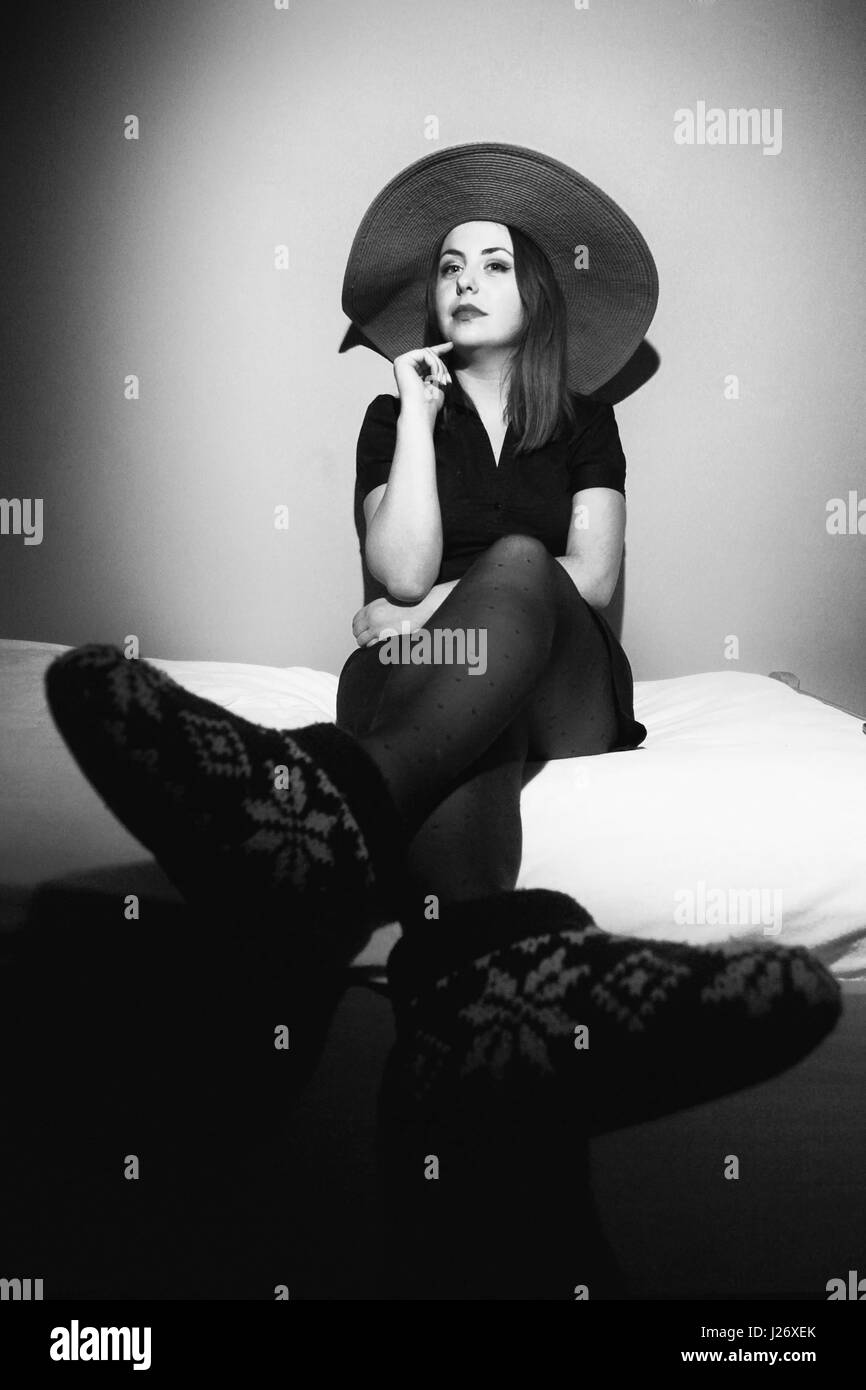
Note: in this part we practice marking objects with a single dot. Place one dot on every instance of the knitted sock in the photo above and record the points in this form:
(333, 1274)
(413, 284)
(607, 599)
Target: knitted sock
(287, 829)
(521, 997)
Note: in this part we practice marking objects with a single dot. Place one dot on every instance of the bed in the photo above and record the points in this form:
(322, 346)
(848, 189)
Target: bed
(743, 815)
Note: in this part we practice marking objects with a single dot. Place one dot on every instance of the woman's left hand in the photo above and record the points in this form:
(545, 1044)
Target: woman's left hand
(370, 620)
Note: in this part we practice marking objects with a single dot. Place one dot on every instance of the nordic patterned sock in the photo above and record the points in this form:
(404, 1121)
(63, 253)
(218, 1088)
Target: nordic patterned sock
(521, 997)
(292, 828)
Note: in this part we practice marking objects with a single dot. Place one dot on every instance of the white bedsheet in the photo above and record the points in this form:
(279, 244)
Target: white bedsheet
(742, 815)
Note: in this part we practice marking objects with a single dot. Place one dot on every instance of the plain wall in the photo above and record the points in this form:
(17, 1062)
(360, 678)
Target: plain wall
(262, 127)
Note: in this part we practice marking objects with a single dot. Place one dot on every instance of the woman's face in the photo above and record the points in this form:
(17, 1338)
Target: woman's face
(476, 269)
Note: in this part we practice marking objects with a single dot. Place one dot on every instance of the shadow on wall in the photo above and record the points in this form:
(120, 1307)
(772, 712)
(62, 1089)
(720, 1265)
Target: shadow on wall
(643, 364)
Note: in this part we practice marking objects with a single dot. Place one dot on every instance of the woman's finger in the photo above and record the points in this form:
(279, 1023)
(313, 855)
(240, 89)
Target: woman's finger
(433, 372)
(427, 364)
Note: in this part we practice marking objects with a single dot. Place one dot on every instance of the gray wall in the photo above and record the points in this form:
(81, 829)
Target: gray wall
(262, 126)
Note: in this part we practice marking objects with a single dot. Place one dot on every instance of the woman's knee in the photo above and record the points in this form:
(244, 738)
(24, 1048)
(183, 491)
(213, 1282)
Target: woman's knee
(521, 562)
(517, 548)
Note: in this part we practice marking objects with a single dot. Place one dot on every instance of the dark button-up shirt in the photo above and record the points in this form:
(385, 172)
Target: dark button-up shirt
(529, 494)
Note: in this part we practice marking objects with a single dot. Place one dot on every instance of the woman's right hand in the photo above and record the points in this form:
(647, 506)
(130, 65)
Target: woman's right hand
(422, 378)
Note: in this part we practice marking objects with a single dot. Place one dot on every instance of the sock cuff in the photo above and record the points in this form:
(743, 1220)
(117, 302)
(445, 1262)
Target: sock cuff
(358, 779)
(475, 928)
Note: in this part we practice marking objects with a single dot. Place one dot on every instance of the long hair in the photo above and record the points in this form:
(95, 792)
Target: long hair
(539, 405)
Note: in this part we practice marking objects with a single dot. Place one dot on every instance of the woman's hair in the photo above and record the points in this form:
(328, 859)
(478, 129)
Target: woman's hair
(539, 404)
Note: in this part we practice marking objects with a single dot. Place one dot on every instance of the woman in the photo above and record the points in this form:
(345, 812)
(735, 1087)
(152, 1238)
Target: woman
(470, 505)
(501, 511)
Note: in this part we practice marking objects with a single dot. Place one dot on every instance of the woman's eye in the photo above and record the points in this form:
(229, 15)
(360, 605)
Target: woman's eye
(454, 266)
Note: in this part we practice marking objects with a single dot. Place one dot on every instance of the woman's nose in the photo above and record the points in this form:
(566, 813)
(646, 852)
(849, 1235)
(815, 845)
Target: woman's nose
(464, 281)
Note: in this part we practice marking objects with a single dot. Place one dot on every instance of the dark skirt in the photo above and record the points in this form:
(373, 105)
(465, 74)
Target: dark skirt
(363, 678)
(630, 732)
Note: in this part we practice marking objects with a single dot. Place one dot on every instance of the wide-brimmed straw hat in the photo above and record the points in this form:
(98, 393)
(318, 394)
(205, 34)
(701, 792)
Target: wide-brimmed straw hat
(609, 303)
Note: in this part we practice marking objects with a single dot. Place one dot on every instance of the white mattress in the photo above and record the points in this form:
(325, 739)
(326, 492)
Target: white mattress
(747, 798)
(743, 786)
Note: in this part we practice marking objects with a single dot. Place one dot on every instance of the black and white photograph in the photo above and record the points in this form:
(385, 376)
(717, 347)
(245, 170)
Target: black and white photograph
(432, 665)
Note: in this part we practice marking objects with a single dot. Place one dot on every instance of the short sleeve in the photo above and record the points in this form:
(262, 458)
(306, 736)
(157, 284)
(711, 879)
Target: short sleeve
(595, 456)
(376, 443)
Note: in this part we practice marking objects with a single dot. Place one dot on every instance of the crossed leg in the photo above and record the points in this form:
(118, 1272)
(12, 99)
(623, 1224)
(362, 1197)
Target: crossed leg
(457, 747)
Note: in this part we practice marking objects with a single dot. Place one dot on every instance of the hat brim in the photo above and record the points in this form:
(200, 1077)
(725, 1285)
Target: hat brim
(610, 296)
(353, 337)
